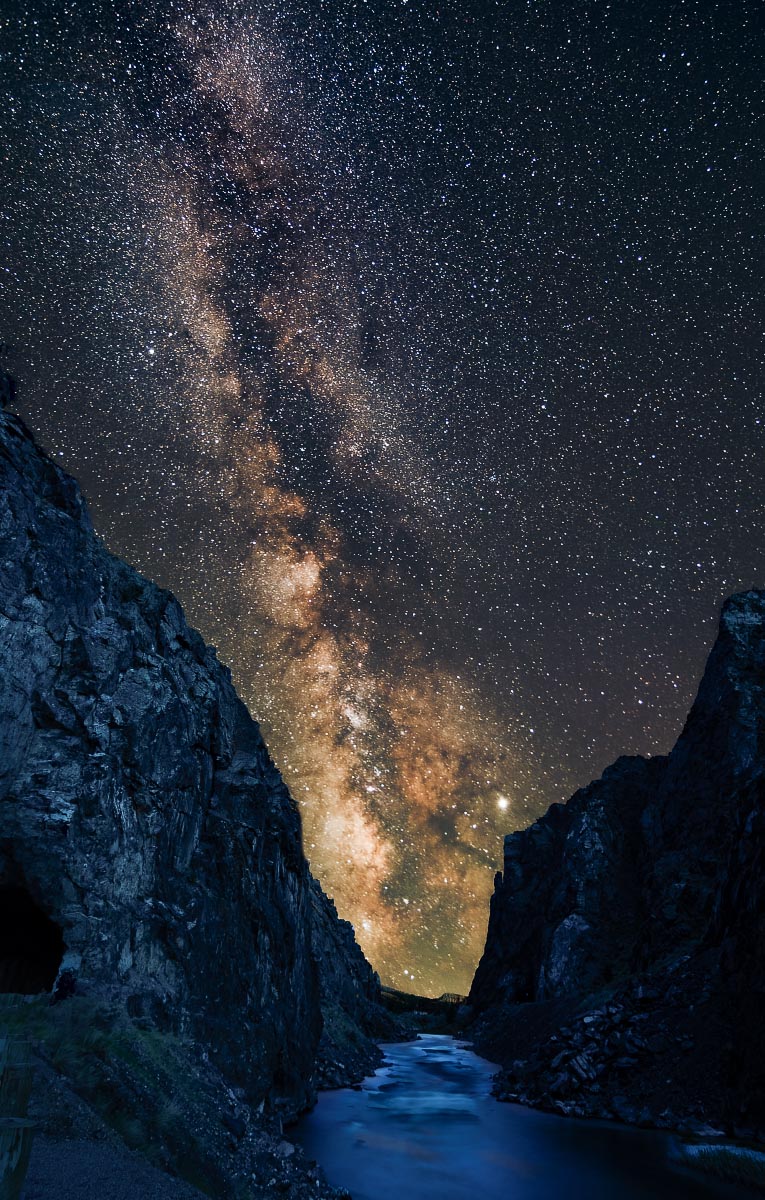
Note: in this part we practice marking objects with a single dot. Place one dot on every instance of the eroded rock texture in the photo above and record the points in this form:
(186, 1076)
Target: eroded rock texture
(351, 1001)
(624, 967)
(139, 809)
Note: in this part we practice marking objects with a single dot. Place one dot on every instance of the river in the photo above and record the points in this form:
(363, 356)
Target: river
(425, 1127)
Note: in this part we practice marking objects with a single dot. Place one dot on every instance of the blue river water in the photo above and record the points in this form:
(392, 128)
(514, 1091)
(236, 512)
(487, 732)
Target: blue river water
(425, 1127)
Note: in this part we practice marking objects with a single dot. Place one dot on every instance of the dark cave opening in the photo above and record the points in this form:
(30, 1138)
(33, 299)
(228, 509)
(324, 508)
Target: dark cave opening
(31, 945)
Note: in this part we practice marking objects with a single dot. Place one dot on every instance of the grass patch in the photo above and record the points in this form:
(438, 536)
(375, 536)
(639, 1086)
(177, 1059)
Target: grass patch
(148, 1086)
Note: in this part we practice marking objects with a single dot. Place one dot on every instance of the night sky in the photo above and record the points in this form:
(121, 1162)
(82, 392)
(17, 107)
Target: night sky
(416, 346)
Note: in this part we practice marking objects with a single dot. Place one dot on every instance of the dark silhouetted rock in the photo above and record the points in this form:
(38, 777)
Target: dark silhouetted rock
(354, 1018)
(628, 924)
(7, 389)
(140, 814)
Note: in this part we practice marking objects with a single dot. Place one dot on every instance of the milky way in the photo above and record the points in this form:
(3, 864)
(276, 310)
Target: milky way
(416, 348)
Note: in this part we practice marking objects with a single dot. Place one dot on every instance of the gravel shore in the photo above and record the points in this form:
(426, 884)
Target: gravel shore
(85, 1170)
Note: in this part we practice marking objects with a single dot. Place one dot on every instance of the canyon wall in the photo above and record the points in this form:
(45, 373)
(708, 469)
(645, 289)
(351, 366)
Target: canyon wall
(150, 853)
(632, 919)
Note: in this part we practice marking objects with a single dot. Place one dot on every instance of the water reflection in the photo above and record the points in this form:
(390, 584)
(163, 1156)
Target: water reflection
(425, 1128)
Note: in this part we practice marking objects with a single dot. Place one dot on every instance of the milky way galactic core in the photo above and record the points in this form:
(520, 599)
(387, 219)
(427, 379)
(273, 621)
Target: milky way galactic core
(415, 347)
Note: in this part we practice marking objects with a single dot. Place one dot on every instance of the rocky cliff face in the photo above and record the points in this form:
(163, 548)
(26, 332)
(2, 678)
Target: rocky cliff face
(145, 834)
(351, 1000)
(626, 928)
(567, 909)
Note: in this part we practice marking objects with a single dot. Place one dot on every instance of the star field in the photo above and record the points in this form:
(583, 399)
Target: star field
(417, 347)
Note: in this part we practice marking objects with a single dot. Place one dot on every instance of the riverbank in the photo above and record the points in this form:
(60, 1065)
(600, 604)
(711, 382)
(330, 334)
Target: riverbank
(734, 1164)
(425, 1127)
(623, 1060)
(112, 1103)
(433, 1091)
(632, 1054)
(81, 1169)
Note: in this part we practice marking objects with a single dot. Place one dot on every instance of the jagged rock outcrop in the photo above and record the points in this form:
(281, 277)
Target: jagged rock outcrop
(144, 830)
(567, 909)
(624, 964)
(351, 1001)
